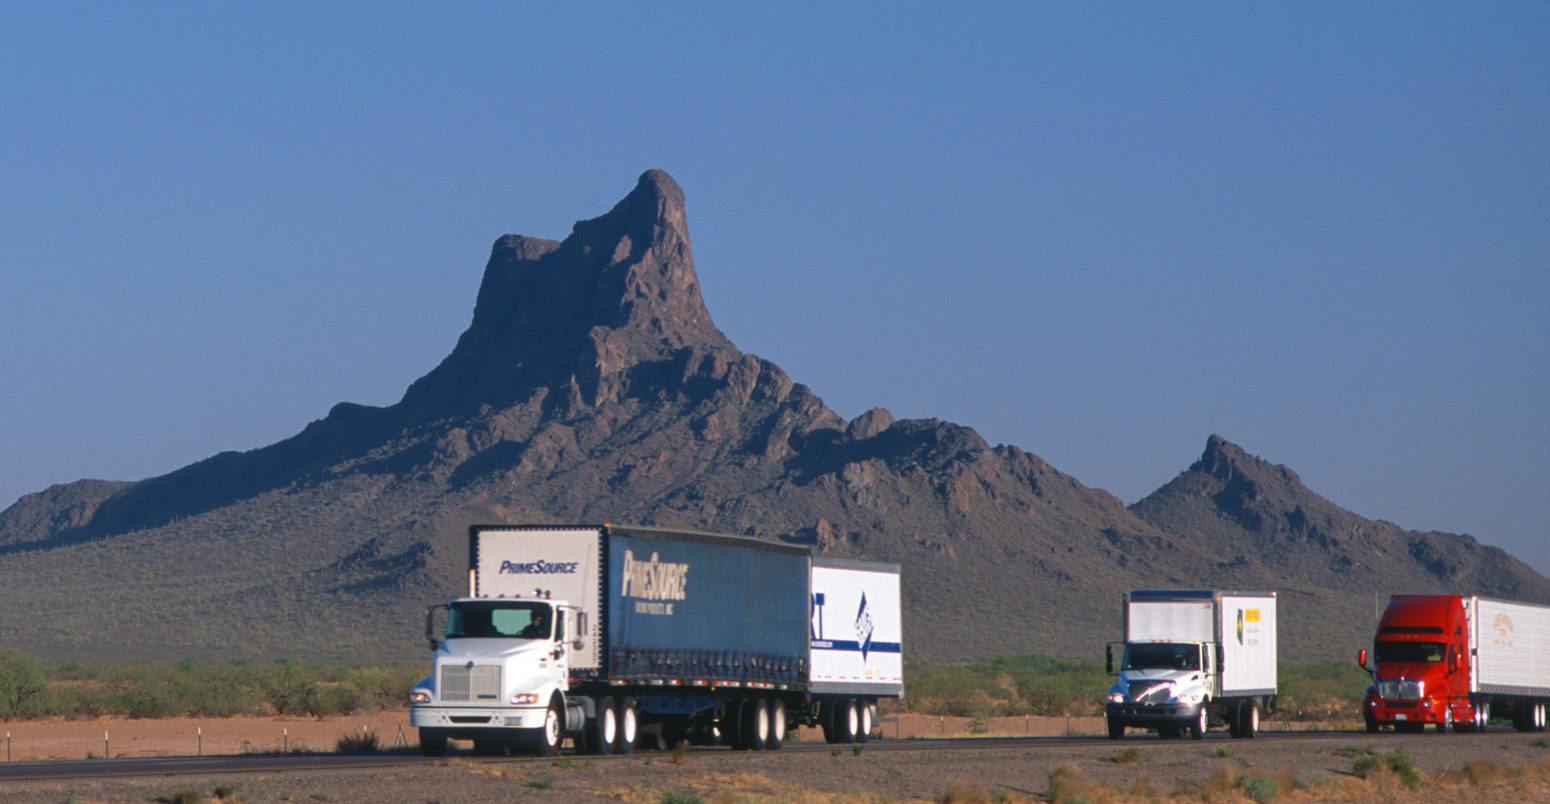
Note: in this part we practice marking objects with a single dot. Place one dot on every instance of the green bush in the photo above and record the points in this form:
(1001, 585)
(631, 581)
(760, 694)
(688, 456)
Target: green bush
(1262, 789)
(287, 686)
(24, 692)
(1396, 761)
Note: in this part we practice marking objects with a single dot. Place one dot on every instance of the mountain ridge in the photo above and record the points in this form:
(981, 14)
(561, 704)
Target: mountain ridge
(593, 385)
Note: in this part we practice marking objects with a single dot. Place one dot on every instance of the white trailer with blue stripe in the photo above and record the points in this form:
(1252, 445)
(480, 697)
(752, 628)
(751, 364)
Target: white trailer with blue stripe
(855, 644)
(603, 634)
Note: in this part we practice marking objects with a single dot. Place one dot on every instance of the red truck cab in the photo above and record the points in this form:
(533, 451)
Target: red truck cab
(1420, 670)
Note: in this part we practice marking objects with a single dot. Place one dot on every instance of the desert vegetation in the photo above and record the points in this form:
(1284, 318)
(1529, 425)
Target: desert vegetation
(32, 688)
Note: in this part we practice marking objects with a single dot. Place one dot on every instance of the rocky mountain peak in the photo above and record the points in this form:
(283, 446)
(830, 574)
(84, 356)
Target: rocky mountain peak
(1227, 462)
(620, 291)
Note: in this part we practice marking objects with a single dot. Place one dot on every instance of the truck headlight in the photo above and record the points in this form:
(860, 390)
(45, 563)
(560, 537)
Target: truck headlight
(1116, 697)
(1189, 698)
(524, 699)
(419, 697)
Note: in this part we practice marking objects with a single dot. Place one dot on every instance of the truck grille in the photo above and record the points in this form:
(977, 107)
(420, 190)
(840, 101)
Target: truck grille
(1399, 689)
(1149, 692)
(482, 682)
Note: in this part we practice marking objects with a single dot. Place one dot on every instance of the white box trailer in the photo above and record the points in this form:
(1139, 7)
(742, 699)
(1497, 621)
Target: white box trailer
(1194, 659)
(1509, 647)
(856, 638)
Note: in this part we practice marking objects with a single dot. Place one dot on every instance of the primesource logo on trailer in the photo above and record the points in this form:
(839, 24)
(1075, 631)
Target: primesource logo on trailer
(654, 580)
(538, 567)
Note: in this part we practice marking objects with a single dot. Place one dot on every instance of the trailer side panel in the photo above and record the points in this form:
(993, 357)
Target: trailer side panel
(856, 631)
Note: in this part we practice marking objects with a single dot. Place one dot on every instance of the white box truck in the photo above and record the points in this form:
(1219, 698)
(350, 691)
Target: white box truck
(599, 633)
(1193, 660)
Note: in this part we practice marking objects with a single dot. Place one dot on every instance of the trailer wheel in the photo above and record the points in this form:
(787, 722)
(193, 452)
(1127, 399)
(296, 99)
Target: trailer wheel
(829, 721)
(754, 724)
(433, 742)
(777, 724)
(864, 710)
(629, 724)
(602, 734)
(1482, 716)
(1250, 725)
(851, 723)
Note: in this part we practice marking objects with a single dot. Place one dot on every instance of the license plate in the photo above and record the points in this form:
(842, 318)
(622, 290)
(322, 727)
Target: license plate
(1401, 717)
(513, 720)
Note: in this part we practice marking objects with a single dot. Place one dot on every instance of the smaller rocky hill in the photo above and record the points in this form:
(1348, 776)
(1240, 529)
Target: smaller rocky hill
(1334, 568)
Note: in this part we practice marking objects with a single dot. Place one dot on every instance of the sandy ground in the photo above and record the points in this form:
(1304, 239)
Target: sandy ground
(123, 737)
(1500, 766)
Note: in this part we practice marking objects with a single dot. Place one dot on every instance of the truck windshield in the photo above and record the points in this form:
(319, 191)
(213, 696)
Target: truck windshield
(1409, 651)
(1161, 656)
(498, 618)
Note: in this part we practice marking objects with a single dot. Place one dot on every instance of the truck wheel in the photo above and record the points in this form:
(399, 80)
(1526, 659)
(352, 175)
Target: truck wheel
(629, 724)
(851, 723)
(433, 742)
(1116, 729)
(602, 733)
(1447, 719)
(832, 723)
(777, 725)
(545, 740)
(1372, 724)
(1197, 729)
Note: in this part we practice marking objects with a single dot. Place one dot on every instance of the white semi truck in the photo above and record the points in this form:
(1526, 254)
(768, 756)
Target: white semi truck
(1193, 660)
(602, 633)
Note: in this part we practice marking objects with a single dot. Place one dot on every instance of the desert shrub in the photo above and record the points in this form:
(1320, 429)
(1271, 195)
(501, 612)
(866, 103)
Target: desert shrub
(963, 791)
(1396, 762)
(84, 701)
(24, 692)
(1130, 756)
(381, 687)
(362, 741)
(680, 797)
(1263, 789)
(287, 686)
(334, 699)
(148, 701)
(183, 796)
(1482, 772)
(1067, 785)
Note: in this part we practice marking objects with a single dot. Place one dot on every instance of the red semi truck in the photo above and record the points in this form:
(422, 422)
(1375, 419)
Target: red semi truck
(1456, 662)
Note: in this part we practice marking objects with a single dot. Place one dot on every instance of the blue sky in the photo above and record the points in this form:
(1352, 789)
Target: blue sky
(1098, 231)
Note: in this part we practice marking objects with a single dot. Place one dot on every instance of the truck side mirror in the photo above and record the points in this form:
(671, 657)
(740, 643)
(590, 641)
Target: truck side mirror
(581, 630)
(1108, 659)
(430, 627)
(1221, 653)
(1361, 658)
